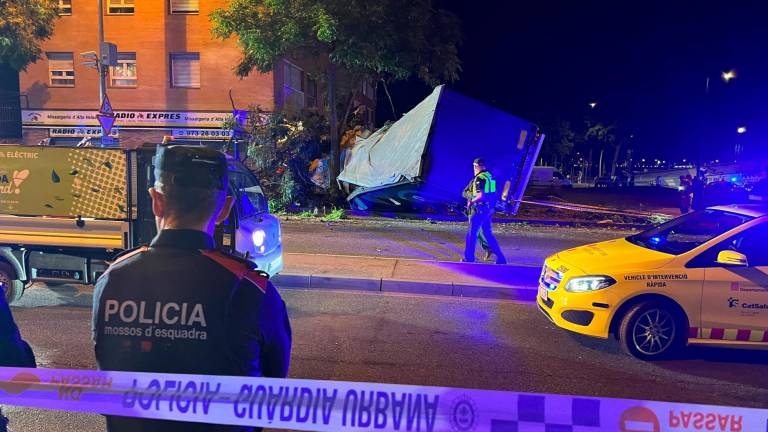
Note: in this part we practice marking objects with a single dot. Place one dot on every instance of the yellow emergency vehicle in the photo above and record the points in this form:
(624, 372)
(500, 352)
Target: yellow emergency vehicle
(701, 278)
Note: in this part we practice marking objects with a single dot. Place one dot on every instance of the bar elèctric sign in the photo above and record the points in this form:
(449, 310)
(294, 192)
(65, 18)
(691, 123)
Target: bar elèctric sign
(137, 119)
(63, 182)
(340, 406)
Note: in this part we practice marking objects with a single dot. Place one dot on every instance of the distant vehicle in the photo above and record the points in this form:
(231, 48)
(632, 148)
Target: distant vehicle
(545, 176)
(65, 212)
(724, 192)
(612, 181)
(697, 279)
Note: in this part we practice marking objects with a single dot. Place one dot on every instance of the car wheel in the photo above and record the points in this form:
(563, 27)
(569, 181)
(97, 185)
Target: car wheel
(12, 289)
(651, 331)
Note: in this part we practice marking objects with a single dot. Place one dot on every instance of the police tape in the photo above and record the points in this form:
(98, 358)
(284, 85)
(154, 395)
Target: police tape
(338, 406)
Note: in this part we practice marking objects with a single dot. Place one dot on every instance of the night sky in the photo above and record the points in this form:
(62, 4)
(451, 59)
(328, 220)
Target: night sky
(645, 63)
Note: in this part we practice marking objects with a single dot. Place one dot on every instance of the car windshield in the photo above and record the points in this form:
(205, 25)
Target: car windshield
(249, 194)
(683, 234)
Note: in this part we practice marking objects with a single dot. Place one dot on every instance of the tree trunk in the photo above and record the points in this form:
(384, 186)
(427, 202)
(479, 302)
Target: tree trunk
(347, 111)
(616, 154)
(389, 96)
(335, 153)
(600, 164)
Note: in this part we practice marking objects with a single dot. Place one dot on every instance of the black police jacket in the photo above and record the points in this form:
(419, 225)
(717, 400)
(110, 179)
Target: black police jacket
(179, 306)
(14, 351)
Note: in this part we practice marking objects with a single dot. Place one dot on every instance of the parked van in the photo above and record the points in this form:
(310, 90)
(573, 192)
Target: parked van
(544, 176)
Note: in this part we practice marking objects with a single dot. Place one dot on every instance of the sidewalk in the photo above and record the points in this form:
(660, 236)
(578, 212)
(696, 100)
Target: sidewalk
(398, 275)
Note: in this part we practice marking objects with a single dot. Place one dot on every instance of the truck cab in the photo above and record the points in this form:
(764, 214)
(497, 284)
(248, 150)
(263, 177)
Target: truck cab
(75, 209)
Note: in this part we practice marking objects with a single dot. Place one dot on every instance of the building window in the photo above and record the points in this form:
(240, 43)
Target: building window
(293, 87)
(185, 6)
(124, 74)
(120, 7)
(65, 7)
(185, 70)
(61, 69)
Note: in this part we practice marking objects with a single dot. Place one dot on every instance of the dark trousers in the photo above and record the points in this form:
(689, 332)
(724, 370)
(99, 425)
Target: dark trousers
(480, 223)
(3, 422)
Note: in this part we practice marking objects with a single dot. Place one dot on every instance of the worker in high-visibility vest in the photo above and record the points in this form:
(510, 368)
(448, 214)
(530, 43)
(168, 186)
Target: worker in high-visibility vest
(481, 206)
(467, 194)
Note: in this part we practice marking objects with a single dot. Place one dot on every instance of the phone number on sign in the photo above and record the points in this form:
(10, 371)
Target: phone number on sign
(202, 133)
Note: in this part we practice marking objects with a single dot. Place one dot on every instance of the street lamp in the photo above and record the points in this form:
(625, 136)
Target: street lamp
(739, 147)
(592, 105)
(728, 75)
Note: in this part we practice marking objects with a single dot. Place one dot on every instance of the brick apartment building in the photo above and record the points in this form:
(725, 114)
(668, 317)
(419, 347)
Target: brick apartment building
(172, 77)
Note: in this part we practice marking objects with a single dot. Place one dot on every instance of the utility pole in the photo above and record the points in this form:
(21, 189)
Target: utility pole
(102, 69)
(101, 59)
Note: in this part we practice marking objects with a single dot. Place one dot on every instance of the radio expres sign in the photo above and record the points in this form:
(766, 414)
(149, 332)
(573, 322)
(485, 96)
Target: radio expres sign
(80, 132)
(136, 119)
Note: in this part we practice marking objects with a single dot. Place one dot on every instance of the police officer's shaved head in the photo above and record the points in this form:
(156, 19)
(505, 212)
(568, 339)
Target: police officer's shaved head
(191, 166)
(478, 165)
(193, 181)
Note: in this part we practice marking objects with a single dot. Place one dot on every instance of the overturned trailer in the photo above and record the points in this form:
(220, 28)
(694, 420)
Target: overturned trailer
(423, 161)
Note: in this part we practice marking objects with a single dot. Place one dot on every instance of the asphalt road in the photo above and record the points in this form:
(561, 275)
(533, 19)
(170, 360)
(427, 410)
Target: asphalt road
(522, 244)
(426, 341)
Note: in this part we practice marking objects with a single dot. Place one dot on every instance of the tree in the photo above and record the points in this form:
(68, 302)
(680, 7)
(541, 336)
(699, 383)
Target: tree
(24, 24)
(379, 40)
(559, 143)
(605, 136)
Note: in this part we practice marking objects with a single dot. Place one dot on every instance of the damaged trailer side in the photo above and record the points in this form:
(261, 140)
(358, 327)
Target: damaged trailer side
(423, 161)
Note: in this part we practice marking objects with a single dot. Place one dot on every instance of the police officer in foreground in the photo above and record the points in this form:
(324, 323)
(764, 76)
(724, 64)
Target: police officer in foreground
(181, 306)
(481, 206)
(14, 351)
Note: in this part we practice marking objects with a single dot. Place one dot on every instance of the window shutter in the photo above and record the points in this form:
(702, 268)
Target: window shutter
(185, 70)
(60, 64)
(185, 6)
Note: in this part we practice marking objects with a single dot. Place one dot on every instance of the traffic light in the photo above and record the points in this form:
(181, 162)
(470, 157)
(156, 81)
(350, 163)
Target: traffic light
(108, 54)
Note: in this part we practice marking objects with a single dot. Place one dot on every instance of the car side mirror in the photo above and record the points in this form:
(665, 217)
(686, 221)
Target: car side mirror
(732, 258)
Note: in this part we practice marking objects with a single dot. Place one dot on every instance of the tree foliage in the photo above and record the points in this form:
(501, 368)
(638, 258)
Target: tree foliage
(24, 24)
(391, 39)
(590, 137)
(560, 141)
(370, 40)
(279, 153)
(601, 133)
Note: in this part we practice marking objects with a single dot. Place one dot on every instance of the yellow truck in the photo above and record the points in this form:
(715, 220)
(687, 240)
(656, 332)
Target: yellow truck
(701, 278)
(65, 212)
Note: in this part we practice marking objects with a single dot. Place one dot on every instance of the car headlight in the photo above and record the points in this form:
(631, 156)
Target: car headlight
(258, 237)
(589, 283)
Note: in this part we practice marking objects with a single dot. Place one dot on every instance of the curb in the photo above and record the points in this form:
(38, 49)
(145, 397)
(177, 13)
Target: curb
(496, 220)
(387, 285)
